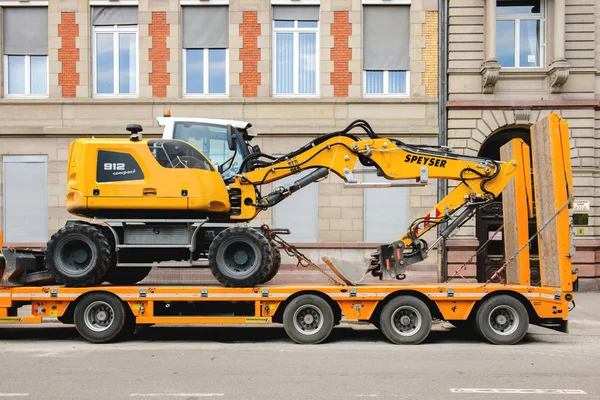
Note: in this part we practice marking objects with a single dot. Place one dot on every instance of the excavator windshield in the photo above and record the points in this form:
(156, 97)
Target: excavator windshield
(211, 140)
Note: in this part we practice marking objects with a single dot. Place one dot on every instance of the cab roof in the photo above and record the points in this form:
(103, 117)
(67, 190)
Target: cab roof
(162, 121)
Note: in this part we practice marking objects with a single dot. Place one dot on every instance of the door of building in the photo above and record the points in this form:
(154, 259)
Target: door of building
(25, 200)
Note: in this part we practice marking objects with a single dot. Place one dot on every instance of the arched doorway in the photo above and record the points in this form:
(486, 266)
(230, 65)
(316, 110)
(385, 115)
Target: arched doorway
(489, 218)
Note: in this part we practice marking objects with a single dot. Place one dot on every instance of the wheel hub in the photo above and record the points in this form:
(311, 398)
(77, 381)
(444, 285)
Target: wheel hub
(308, 319)
(102, 316)
(80, 256)
(406, 320)
(501, 319)
(240, 257)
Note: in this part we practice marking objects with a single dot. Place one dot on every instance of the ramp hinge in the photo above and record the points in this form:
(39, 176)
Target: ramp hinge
(204, 293)
(53, 293)
(450, 292)
(142, 292)
(265, 293)
(557, 295)
(352, 292)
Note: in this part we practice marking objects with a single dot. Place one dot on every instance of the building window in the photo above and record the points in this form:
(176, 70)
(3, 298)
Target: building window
(295, 50)
(386, 39)
(519, 33)
(205, 54)
(25, 48)
(115, 42)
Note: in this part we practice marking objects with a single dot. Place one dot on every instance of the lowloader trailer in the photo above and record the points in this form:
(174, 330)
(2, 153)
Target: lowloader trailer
(499, 312)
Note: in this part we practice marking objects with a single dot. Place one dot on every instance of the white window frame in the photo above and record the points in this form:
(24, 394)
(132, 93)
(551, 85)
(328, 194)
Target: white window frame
(296, 75)
(27, 93)
(517, 18)
(115, 30)
(205, 67)
(386, 86)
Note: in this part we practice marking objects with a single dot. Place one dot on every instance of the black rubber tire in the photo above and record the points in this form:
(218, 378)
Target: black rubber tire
(255, 246)
(274, 269)
(408, 304)
(87, 238)
(127, 275)
(320, 311)
(509, 309)
(120, 324)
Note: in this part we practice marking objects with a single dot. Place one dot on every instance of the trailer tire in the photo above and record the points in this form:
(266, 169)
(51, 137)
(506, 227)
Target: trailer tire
(78, 255)
(127, 275)
(240, 256)
(502, 319)
(102, 318)
(276, 263)
(405, 320)
(308, 319)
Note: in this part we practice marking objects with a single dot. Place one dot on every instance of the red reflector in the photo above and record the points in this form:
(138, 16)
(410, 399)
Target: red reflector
(387, 264)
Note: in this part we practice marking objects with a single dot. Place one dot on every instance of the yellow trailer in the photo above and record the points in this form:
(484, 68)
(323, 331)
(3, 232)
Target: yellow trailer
(499, 312)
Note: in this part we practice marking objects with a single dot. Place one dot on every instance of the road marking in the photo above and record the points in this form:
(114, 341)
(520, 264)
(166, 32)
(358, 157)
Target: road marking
(14, 394)
(177, 394)
(516, 391)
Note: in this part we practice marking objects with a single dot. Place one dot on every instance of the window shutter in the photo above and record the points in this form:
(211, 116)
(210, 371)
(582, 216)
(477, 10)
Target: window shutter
(296, 13)
(103, 16)
(386, 38)
(205, 27)
(25, 31)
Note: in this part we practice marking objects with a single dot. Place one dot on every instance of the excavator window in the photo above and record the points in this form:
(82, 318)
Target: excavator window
(211, 140)
(177, 154)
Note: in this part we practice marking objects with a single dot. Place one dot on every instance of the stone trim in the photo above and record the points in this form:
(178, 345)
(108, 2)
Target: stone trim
(528, 104)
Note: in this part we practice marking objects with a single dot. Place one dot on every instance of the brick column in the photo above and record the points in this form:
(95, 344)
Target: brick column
(430, 54)
(341, 54)
(159, 54)
(68, 55)
(250, 54)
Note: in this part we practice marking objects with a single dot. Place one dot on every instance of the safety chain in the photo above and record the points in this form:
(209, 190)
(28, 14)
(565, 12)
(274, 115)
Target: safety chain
(293, 251)
(481, 248)
(499, 271)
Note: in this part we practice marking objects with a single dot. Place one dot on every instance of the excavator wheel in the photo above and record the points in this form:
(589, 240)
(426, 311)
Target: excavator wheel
(240, 256)
(276, 263)
(127, 275)
(79, 254)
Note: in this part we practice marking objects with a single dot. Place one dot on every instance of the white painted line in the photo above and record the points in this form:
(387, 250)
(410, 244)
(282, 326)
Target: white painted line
(14, 394)
(177, 395)
(516, 391)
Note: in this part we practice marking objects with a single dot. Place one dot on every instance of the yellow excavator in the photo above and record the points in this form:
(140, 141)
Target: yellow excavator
(150, 202)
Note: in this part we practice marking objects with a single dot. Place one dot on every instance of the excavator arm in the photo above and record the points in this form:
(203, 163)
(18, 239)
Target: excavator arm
(479, 182)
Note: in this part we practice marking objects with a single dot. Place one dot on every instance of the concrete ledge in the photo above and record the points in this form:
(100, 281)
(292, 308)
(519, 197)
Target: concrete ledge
(589, 284)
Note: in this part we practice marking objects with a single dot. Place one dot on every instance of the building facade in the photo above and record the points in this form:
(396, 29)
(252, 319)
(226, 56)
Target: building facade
(295, 69)
(510, 63)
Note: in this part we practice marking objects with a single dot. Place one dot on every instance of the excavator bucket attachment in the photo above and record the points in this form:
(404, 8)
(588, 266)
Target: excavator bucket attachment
(351, 272)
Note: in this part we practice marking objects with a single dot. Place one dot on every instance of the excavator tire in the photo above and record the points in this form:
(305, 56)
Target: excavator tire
(127, 275)
(276, 263)
(78, 255)
(240, 256)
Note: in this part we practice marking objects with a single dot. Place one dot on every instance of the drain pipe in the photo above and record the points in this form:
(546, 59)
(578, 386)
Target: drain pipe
(442, 184)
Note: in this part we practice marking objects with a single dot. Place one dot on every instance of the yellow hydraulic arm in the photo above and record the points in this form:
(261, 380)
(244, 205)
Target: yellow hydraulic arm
(480, 180)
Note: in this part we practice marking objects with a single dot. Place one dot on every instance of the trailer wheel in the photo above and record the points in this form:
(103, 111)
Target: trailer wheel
(127, 275)
(79, 255)
(102, 317)
(276, 263)
(405, 320)
(240, 257)
(502, 320)
(308, 319)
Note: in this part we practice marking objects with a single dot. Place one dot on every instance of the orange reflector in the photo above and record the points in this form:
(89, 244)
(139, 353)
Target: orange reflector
(167, 113)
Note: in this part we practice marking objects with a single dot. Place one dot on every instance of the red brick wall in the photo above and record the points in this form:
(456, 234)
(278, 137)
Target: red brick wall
(340, 78)
(68, 54)
(159, 54)
(250, 54)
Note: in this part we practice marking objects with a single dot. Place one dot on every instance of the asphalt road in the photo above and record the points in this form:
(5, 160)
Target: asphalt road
(52, 362)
